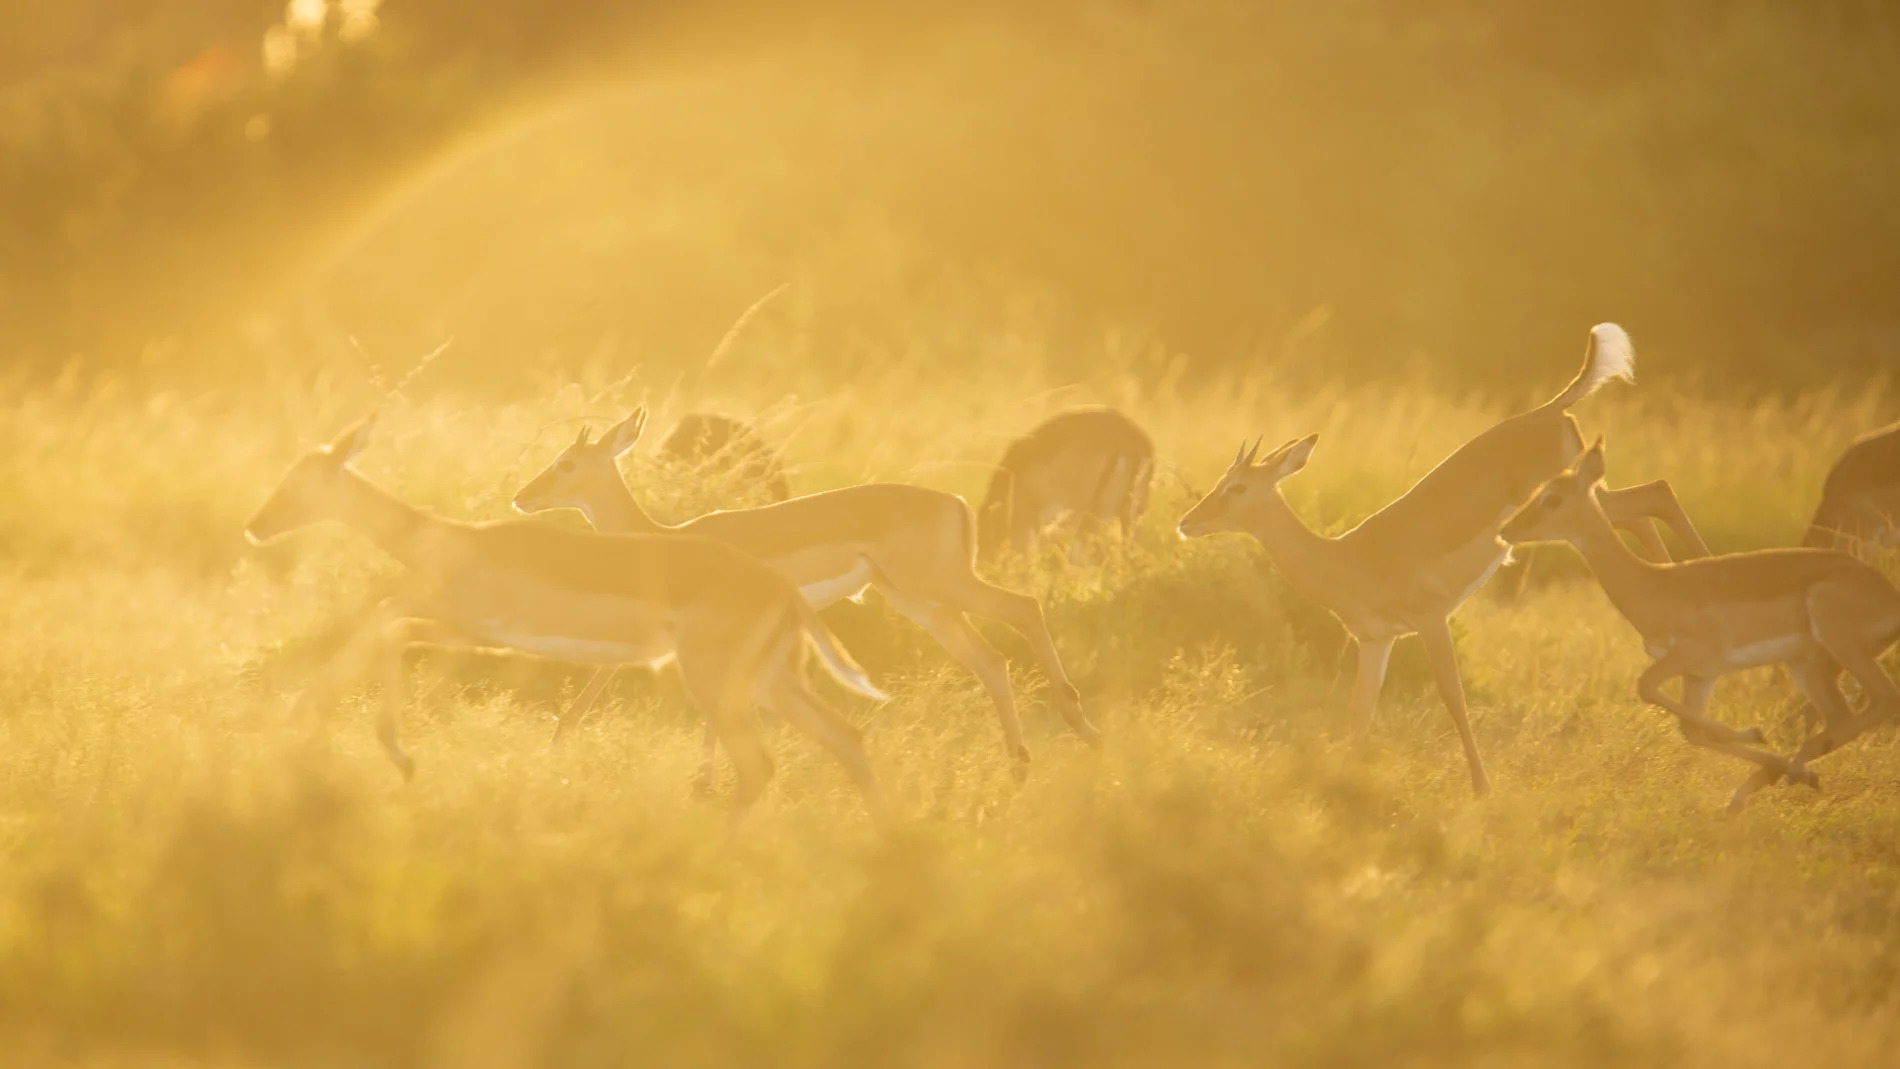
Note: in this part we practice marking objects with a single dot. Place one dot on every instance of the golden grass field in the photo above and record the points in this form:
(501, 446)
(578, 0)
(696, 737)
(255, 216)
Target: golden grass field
(190, 877)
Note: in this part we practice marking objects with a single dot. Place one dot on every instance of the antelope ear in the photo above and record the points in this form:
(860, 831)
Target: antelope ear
(581, 438)
(352, 440)
(624, 434)
(1590, 465)
(1274, 455)
(1295, 454)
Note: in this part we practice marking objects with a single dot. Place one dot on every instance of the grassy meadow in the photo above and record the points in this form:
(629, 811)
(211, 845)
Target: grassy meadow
(190, 877)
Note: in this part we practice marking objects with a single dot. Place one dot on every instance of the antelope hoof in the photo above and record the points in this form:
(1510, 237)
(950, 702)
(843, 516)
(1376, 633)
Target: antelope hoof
(703, 783)
(1754, 736)
(404, 764)
(1803, 775)
(1019, 766)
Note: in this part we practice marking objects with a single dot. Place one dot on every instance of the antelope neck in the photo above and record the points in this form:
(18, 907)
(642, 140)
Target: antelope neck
(618, 513)
(1306, 558)
(397, 529)
(1624, 576)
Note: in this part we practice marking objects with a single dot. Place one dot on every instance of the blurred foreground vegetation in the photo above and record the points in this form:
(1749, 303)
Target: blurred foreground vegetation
(190, 878)
(229, 227)
(211, 188)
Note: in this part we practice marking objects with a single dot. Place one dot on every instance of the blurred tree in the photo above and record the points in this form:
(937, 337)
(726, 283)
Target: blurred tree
(1461, 177)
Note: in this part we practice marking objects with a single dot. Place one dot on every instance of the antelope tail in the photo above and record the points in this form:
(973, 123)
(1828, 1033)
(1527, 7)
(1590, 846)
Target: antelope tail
(1610, 356)
(839, 663)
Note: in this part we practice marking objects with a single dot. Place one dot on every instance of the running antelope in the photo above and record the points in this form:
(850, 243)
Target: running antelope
(1091, 466)
(738, 630)
(726, 451)
(915, 545)
(1409, 566)
(1860, 504)
(1816, 611)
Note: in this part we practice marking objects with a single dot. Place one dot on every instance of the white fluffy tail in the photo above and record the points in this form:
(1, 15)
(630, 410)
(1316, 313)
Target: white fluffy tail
(836, 661)
(1610, 356)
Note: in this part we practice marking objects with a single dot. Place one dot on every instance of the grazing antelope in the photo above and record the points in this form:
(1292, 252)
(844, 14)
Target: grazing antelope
(1089, 465)
(727, 452)
(914, 545)
(1410, 565)
(1860, 503)
(1816, 611)
(738, 630)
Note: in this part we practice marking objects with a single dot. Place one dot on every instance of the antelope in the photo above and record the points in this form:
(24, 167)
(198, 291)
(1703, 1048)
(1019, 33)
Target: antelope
(1409, 566)
(1817, 612)
(737, 629)
(916, 546)
(708, 443)
(1089, 465)
(1860, 503)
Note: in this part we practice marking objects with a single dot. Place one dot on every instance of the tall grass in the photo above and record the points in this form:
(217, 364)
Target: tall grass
(191, 877)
